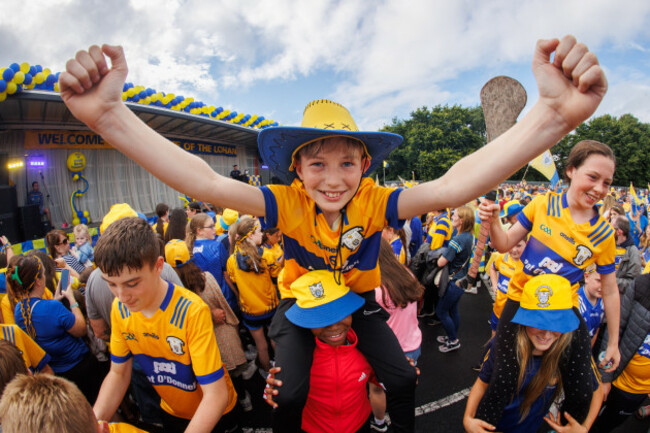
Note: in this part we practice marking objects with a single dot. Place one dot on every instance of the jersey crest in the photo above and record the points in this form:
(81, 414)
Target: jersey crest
(176, 345)
(583, 254)
(352, 238)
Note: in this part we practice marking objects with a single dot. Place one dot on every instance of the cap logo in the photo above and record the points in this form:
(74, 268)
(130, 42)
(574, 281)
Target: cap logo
(543, 295)
(317, 290)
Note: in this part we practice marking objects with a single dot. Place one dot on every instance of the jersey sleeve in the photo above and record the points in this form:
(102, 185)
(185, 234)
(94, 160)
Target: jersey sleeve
(230, 267)
(527, 216)
(439, 233)
(120, 351)
(64, 317)
(284, 207)
(453, 249)
(605, 263)
(202, 346)
(380, 204)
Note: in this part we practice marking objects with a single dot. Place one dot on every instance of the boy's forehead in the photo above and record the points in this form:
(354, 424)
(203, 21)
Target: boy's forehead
(128, 274)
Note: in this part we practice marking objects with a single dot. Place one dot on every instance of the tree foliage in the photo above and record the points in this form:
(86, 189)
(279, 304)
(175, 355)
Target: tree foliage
(434, 139)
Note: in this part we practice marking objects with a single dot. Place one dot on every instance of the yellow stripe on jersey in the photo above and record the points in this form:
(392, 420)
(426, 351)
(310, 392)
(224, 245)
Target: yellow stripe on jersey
(558, 245)
(505, 267)
(176, 348)
(310, 244)
(440, 231)
(34, 356)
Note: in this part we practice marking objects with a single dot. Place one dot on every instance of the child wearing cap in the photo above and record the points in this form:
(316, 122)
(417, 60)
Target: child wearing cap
(330, 215)
(338, 397)
(545, 322)
(567, 235)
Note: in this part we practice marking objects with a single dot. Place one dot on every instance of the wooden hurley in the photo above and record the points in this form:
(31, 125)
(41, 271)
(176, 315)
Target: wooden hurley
(502, 99)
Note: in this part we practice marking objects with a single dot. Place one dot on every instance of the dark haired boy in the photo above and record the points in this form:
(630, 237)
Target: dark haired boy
(168, 330)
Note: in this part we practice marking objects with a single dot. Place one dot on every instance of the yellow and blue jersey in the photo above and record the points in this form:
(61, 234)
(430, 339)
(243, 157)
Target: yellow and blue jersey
(558, 245)
(310, 244)
(635, 378)
(505, 267)
(258, 296)
(273, 256)
(122, 427)
(8, 312)
(176, 348)
(440, 231)
(620, 252)
(35, 358)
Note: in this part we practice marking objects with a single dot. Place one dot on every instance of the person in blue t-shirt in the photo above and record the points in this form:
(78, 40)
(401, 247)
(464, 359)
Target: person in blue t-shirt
(592, 308)
(546, 323)
(35, 196)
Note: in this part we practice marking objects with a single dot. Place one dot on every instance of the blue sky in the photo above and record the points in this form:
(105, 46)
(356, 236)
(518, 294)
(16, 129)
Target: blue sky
(381, 59)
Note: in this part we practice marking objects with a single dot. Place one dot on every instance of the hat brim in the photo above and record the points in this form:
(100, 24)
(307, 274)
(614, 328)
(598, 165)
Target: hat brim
(277, 144)
(326, 314)
(548, 320)
(512, 210)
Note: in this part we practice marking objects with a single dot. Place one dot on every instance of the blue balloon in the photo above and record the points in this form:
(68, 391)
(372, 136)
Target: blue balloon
(136, 98)
(15, 67)
(80, 213)
(32, 70)
(142, 94)
(8, 74)
(19, 88)
(28, 79)
(50, 80)
(39, 68)
(84, 220)
(125, 87)
(3, 85)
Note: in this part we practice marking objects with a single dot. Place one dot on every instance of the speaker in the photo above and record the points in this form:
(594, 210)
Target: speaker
(9, 227)
(4, 170)
(8, 199)
(29, 219)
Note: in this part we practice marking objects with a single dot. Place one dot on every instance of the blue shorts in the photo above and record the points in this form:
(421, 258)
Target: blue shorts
(494, 321)
(253, 323)
(414, 354)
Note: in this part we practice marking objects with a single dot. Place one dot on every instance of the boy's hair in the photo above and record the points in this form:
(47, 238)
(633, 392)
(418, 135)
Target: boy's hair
(128, 242)
(315, 147)
(466, 215)
(11, 363)
(80, 230)
(583, 150)
(45, 403)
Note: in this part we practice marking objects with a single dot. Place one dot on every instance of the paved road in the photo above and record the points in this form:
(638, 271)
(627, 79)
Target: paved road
(445, 377)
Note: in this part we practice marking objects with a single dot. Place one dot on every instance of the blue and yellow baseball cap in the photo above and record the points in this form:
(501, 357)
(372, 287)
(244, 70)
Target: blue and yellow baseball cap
(320, 301)
(513, 207)
(321, 119)
(546, 303)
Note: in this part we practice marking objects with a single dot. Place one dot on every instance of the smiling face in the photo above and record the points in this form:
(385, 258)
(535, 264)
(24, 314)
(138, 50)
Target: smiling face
(332, 175)
(137, 289)
(542, 340)
(336, 334)
(515, 252)
(591, 181)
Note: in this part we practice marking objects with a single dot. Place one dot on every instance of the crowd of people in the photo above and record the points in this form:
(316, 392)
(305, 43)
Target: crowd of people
(317, 283)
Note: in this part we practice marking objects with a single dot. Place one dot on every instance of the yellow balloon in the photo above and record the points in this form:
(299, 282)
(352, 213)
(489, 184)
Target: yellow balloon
(76, 162)
(24, 67)
(11, 88)
(39, 78)
(130, 92)
(19, 77)
(47, 71)
(86, 213)
(76, 221)
(56, 87)
(124, 96)
(3, 96)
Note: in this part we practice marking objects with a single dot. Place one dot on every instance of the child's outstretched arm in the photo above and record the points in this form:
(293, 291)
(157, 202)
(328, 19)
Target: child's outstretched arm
(93, 92)
(470, 422)
(501, 239)
(570, 89)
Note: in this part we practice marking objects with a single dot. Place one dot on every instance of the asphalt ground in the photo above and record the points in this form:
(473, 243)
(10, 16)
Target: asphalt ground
(445, 378)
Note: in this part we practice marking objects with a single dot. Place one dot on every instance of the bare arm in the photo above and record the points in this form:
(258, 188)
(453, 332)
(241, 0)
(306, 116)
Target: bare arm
(612, 304)
(113, 389)
(92, 92)
(471, 423)
(213, 403)
(570, 89)
(100, 328)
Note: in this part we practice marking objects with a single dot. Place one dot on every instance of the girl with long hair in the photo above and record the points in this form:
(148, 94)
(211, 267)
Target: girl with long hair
(567, 235)
(249, 273)
(544, 326)
(162, 212)
(457, 255)
(225, 321)
(53, 327)
(177, 225)
(210, 255)
(397, 240)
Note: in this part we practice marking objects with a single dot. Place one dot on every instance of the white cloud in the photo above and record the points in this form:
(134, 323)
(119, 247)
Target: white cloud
(391, 56)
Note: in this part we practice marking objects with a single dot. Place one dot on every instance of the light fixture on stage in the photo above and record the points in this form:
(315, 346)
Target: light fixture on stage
(36, 163)
(13, 165)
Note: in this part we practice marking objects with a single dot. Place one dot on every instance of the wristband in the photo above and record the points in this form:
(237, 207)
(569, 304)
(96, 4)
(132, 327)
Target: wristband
(76, 304)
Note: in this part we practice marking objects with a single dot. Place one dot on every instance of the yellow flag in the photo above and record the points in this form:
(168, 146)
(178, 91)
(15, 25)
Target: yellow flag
(544, 164)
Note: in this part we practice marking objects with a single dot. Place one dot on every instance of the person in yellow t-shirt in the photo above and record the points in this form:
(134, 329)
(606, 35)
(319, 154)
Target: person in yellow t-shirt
(167, 328)
(502, 269)
(51, 403)
(273, 252)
